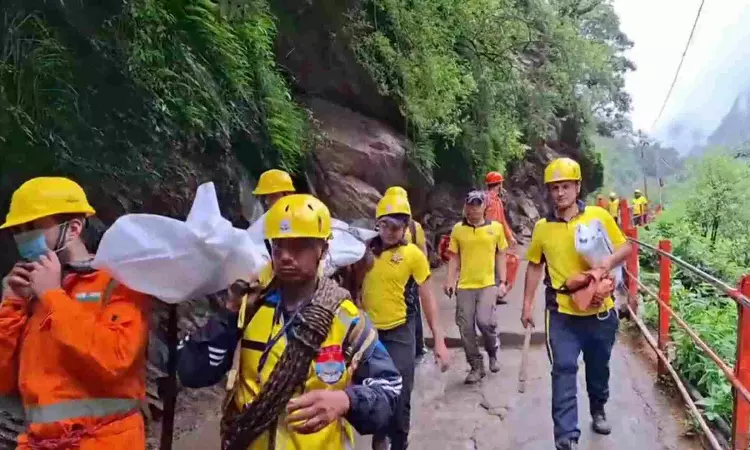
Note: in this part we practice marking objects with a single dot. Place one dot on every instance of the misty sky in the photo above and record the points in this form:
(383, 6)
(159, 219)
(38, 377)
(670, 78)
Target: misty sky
(716, 68)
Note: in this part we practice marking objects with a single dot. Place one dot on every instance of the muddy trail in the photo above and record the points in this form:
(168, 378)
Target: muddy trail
(494, 416)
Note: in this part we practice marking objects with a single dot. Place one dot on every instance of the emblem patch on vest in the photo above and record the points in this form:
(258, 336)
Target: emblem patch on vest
(329, 364)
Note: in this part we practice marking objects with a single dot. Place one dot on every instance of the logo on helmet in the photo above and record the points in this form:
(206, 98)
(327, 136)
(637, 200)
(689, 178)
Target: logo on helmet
(285, 226)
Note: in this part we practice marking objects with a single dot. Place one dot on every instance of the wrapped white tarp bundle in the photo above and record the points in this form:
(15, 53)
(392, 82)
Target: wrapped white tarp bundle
(592, 242)
(346, 247)
(174, 260)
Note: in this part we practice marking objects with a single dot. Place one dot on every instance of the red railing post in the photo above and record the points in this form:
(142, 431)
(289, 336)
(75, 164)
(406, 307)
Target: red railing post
(625, 219)
(741, 415)
(665, 289)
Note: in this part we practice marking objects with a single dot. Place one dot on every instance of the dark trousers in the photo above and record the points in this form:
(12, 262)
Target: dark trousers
(567, 337)
(400, 345)
(418, 329)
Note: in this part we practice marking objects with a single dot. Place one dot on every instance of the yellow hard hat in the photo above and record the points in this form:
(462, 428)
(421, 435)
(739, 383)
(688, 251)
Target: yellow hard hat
(392, 204)
(45, 197)
(274, 181)
(562, 169)
(396, 190)
(298, 216)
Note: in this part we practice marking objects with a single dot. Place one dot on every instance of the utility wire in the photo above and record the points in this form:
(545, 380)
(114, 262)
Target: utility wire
(679, 67)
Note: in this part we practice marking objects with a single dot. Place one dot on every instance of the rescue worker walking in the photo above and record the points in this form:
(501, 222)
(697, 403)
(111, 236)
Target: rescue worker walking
(72, 339)
(572, 329)
(384, 298)
(477, 247)
(272, 185)
(348, 381)
(414, 234)
(640, 208)
(495, 209)
(614, 207)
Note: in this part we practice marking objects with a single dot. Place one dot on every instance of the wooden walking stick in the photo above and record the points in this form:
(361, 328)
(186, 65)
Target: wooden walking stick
(524, 360)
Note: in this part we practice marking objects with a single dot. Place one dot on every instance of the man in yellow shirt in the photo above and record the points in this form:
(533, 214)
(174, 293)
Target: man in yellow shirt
(614, 207)
(640, 208)
(384, 298)
(478, 248)
(571, 330)
(415, 235)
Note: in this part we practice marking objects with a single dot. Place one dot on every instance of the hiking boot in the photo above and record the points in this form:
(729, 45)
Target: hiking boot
(568, 444)
(474, 376)
(494, 366)
(600, 424)
(380, 443)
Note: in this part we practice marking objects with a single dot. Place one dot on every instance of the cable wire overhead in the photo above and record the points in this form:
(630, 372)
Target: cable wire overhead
(679, 67)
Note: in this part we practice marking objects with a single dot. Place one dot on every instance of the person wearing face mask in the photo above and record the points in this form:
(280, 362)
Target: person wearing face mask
(72, 339)
(385, 292)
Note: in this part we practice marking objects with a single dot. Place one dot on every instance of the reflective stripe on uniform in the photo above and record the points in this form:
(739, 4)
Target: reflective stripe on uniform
(93, 407)
(11, 404)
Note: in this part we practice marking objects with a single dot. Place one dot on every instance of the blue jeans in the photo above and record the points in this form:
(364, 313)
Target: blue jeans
(567, 337)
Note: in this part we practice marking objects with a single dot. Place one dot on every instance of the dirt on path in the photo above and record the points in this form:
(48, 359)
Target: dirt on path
(494, 416)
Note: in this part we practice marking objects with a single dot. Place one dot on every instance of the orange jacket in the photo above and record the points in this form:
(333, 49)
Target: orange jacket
(78, 363)
(495, 211)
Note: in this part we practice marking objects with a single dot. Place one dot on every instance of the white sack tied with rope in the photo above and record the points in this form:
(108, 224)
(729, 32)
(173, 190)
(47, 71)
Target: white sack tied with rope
(347, 244)
(593, 244)
(174, 260)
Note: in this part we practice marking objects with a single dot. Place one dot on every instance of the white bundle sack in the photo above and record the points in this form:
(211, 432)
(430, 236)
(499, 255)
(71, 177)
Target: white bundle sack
(592, 242)
(346, 247)
(174, 260)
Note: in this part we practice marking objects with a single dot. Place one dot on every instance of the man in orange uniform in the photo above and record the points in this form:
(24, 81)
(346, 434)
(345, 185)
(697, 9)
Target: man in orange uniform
(72, 340)
(495, 209)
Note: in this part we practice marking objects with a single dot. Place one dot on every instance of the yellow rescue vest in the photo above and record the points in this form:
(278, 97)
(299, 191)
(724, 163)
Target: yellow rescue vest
(329, 371)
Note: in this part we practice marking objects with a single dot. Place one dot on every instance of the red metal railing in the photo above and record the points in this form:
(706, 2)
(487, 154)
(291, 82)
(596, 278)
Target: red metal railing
(739, 376)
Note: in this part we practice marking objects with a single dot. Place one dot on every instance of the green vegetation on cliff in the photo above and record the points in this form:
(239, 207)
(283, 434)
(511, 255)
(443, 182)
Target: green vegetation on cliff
(112, 91)
(123, 90)
(480, 79)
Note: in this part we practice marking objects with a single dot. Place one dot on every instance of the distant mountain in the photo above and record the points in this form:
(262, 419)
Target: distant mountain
(734, 128)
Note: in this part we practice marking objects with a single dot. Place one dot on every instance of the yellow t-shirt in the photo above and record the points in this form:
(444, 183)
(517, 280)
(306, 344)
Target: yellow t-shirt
(384, 286)
(614, 207)
(553, 243)
(477, 247)
(639, 205)
(420, 240)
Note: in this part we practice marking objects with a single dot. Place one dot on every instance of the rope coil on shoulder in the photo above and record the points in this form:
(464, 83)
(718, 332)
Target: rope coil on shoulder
(290, 373)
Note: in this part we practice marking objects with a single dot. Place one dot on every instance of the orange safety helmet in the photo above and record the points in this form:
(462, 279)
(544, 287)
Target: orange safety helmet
(493, 178)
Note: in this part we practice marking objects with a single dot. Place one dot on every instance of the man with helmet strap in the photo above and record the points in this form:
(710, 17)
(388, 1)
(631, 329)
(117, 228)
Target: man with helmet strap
(350, 382)
(495, 209)
(640, 207)
(570, 329)
(384, 297)
(477, 246)
(72, 339)
(414, 234)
